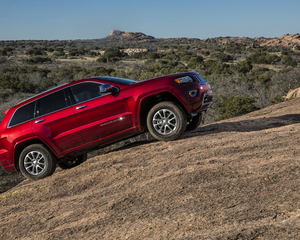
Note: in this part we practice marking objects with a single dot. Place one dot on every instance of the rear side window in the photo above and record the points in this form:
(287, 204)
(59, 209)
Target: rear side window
(23, 114)
(52, 103)
(85, 91)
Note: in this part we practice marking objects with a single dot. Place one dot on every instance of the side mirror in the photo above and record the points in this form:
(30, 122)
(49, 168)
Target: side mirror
(107, 88)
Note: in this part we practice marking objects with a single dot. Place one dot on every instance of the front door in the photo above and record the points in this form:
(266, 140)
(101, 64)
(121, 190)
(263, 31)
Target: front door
(99, 115)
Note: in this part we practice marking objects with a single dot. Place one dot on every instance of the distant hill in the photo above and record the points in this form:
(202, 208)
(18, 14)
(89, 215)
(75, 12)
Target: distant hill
(289, 40)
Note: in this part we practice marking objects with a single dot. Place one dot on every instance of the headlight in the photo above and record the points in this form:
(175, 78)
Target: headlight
(186, 79)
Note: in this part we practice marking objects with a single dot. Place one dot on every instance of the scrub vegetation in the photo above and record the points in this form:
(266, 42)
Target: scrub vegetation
(244, 74)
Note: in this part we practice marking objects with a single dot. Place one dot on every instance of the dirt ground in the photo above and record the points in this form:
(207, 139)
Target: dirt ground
(234, 179)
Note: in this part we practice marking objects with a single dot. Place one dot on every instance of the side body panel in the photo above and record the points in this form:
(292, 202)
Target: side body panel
(104, 116)
(59, 130)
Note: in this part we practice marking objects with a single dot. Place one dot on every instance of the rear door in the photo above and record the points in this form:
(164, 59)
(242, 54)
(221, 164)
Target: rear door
(56, 122)
(99, 115)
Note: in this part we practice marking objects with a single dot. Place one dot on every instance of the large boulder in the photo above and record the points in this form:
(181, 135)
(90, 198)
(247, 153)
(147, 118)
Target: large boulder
(293, 93)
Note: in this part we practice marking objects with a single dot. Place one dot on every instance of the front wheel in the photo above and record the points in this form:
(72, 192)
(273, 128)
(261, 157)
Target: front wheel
(194, 122)
(166, 121)
(70, 163)
(37, 162)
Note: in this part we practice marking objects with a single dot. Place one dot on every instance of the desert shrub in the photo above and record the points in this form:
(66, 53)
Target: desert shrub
(206, 53)
(112, 54)
(222, 57)
(290, 62)
(3, 53)
(235, 48)
(234, 106)
(139, 55)
(59, 54)
(100, 71)
(153, 55)
(77, 52)
(281, 83)
(212, 67)
(195, 61)
(286, 51)
(36, 60)
(3, 60)
(276, 99)
(186, 55)
(262, 75)
(35, 51)
(14, 83)
(263, 58)
(244, 67)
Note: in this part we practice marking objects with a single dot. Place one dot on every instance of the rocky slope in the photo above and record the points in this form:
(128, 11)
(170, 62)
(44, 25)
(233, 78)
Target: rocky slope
(289, 40)
(235, 179)
(121, 36)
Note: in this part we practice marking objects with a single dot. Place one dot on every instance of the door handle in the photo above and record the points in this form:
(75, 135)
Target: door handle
(39, 121)
(81, 107)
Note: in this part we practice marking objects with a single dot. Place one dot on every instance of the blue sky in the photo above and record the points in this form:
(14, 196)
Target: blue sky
(91, 19)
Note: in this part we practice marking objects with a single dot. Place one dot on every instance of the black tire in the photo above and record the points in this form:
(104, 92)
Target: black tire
(37, 162)
(194, 122)
(166, 121)
(72, 162)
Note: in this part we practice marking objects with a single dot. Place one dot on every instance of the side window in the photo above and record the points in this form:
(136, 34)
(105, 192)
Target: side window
(52, 103)
(85, 91)
(23, 114)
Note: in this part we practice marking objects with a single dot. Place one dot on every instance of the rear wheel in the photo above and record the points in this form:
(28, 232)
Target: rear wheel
(72, 162)
(166, 121)
(37, 162)
(194, 122)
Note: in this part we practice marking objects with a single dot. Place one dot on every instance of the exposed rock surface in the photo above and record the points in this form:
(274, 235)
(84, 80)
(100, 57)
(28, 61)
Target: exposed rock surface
(120, 35)
(234, 179)
(294, 93)
(289, 40)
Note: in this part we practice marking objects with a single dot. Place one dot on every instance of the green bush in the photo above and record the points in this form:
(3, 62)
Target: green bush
(153, 55)
(244, 67)
(277, 99)
(290, 62)
(212, 67)
(35, 51)
(36, 60)
(3, 53)
(112, 54)
(195, 61)
(77, 52)
(234, 106)
(263, 58)
(222, 57)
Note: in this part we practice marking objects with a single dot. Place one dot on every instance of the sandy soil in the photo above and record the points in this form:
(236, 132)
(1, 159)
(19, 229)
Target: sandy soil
(235, 179)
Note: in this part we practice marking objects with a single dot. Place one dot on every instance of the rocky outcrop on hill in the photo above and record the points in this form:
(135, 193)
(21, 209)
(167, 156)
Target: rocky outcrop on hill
(120, 35)
(293, 93)
(227, 40)
(289, 40)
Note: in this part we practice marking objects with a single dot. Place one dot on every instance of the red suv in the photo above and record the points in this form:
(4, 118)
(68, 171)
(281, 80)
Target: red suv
(59, 126)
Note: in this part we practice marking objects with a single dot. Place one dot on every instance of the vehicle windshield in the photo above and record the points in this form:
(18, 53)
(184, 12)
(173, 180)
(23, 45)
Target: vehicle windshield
(121, 81)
